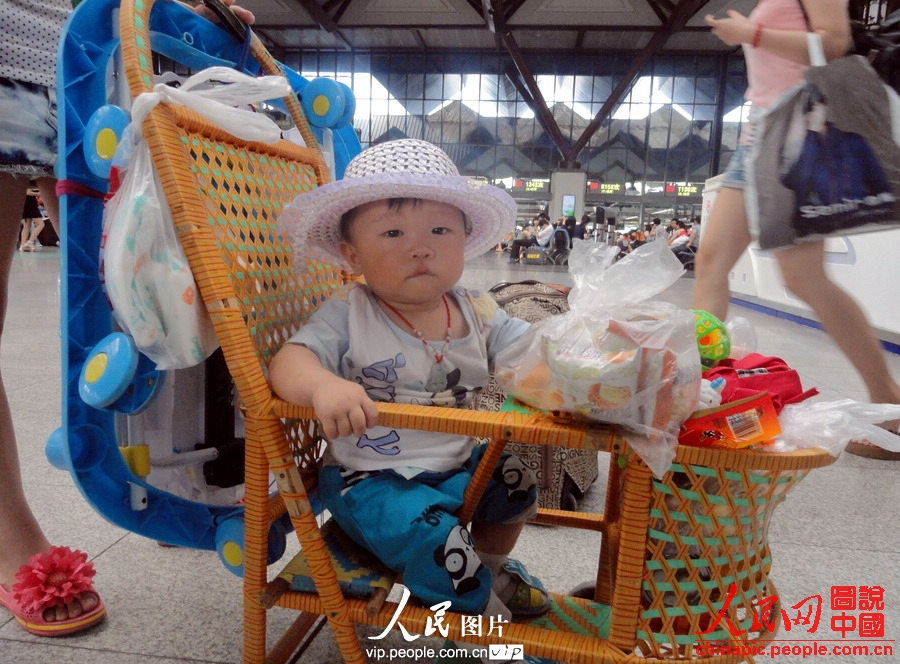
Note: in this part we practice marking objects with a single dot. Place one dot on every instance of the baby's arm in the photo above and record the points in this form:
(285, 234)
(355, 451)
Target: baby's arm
(342, 406)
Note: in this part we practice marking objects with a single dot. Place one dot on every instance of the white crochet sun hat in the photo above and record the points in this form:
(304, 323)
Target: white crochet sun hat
(405, 168)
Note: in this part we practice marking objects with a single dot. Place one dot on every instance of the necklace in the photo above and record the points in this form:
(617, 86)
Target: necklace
(438, 355)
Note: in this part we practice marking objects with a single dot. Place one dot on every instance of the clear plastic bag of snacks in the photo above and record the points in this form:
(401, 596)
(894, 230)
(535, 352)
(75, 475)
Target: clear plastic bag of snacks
(616, 356)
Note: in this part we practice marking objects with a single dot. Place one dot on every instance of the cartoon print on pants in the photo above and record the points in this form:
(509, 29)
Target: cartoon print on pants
(517, 479)
(458, 557)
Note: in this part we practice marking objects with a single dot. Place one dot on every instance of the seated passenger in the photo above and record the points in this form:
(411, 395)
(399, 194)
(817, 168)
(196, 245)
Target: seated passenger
(540, 238)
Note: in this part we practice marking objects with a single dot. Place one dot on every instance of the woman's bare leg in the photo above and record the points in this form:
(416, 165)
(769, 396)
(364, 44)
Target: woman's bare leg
(20, 534)
(725, 238)
(37, 225)
(47, 187)
(803, 270)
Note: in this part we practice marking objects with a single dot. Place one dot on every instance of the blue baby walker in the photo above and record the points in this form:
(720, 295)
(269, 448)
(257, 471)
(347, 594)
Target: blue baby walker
(145, 450)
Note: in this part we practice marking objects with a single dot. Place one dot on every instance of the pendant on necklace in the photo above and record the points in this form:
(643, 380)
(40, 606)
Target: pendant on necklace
(437, 378)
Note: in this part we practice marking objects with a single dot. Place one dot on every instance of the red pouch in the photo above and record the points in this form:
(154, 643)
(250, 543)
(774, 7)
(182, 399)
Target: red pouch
(757, 373)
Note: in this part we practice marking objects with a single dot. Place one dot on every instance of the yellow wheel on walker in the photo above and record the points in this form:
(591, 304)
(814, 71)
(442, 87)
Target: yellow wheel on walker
(101, 138)
(324, 101)
(115, 375)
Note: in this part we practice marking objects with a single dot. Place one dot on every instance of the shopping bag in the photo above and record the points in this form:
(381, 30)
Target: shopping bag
(827, 160)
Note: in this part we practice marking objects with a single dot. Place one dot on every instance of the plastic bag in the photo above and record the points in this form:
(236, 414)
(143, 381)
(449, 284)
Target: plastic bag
(615, 357)
(830, 425)
(742, 337)
(218, 103)
(144, 269)
(146, 275)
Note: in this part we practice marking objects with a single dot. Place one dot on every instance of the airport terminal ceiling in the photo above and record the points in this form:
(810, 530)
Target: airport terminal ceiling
(477, 25)
(636, 92)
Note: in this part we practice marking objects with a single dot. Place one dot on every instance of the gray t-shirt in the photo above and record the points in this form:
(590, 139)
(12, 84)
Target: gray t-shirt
(356, 340)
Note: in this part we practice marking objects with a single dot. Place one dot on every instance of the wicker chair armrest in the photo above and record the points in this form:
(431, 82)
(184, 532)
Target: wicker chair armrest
(753, 459)
(534, 429)
(554, 430)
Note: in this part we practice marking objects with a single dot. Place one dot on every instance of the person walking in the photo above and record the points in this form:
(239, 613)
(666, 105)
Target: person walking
(774, 41)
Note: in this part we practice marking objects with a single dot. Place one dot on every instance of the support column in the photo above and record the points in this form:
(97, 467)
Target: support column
(567, 189)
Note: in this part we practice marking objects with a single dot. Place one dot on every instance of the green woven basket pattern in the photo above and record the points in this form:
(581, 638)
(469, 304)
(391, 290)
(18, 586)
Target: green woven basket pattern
(707, 537)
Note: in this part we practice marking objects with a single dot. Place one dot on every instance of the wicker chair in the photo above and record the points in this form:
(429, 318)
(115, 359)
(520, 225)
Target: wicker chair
(680, 557)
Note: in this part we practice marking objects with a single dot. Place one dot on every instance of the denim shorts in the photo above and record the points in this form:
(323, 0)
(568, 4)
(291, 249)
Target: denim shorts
(27, 128)
(733, 176)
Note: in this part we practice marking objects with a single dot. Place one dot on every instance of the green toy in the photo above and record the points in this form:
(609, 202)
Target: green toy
(713, 341)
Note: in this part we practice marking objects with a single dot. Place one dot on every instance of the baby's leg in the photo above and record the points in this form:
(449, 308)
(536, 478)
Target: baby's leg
(411, 527)
(509, 501)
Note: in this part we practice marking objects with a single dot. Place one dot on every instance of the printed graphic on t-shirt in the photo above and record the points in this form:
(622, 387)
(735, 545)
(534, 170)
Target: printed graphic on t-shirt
(381, 381)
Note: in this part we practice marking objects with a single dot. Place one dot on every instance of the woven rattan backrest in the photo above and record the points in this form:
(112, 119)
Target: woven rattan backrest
(226, 195)
(240, 189)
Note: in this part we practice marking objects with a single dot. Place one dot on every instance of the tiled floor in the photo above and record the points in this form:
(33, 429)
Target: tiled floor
(167, 606)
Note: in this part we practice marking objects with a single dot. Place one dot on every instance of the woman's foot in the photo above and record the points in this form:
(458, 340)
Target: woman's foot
(54, 594)
(869, 450)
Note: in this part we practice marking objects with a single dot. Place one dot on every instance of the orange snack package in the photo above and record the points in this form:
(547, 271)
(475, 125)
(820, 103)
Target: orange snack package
(732, 425)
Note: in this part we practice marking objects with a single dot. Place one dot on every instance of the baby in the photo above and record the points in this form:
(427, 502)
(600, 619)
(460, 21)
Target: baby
(404, 219)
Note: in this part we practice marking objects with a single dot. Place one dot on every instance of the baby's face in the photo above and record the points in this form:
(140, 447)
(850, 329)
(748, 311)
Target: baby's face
(411, 253)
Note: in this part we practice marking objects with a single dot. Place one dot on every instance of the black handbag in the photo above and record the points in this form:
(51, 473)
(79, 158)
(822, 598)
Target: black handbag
(880, 44)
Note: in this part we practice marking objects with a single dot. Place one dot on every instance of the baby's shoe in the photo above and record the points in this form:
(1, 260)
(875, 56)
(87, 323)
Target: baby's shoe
(523, 594)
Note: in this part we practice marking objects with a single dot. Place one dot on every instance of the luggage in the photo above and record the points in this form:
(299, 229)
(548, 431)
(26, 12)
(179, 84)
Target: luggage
(535, 255)
(48, 236)
(564, 475)
(530, 300)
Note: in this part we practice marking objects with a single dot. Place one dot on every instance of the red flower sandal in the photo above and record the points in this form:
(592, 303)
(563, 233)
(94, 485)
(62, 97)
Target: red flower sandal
(869, 450)
(865, 448)
(51, 579)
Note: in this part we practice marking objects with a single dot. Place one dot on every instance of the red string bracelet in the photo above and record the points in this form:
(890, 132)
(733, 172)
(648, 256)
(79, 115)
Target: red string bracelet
(757, 35)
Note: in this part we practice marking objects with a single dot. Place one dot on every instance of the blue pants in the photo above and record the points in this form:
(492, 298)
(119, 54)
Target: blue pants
(410, 524)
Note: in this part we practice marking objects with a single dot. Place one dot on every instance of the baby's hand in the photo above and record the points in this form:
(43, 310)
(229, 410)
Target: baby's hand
(343, 408)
